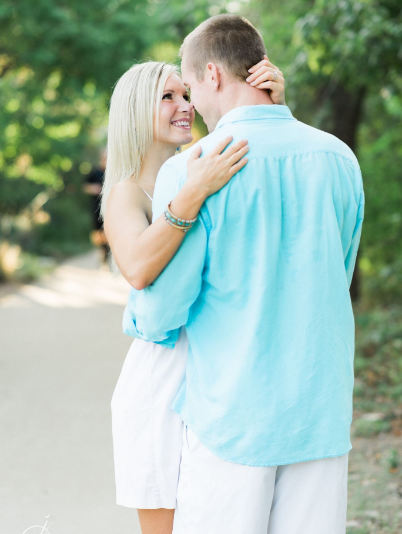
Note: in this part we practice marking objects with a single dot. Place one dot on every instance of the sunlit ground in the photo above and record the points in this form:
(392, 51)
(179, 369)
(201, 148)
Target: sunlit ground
(62, 350)
(79, 283)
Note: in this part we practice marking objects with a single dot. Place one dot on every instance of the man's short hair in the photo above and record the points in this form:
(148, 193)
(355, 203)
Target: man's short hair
(229, 40)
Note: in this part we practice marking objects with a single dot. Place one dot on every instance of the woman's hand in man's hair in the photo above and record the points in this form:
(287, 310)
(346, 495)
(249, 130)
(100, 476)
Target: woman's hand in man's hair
(262, 76)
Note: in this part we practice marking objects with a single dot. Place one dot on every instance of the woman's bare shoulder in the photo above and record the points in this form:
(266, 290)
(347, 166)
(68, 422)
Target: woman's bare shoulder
(126, 186)
(126, 192)
(126, 198)
(126, 209)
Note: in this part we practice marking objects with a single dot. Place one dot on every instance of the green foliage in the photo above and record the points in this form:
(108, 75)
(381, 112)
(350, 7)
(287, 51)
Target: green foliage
(378, 362)
(344, 37)
(31, 267)
(44, 132)
(381, 163)
(394, 460)
(84, 41)
(69, 231)
(58, 64)
(49, 128)
(378, 371)
(368, 429)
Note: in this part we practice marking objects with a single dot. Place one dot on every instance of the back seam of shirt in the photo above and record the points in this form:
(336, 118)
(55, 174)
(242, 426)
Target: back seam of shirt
(255, 119)
(284, 155)
(301, 152)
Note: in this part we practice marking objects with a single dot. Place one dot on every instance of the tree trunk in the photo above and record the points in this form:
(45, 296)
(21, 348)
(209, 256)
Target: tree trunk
(345, 114)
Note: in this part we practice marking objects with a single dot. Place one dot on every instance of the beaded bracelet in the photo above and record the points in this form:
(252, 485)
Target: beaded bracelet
(183, 229)
(177, 220)
(177, 223)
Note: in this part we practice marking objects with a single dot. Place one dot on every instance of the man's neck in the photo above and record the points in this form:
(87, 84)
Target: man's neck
(239, 94)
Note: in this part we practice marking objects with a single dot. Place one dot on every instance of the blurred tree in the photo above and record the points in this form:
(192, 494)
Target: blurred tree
(348, 50)
(380, 153)
(85, 41)
(338, 54)
(58, 64)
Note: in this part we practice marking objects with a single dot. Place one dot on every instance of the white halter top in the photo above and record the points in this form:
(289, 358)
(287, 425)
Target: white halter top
(150, 198)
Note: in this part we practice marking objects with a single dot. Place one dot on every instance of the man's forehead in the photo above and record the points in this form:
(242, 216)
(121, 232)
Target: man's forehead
(187, 80)
(185, 71)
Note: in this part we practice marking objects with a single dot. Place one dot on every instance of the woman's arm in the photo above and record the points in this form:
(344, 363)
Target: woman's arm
(141, 250)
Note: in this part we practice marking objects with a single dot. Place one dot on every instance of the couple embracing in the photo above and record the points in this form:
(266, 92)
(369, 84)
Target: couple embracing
(232, 413)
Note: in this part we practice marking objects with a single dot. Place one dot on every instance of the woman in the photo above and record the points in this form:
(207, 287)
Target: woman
(150, 117)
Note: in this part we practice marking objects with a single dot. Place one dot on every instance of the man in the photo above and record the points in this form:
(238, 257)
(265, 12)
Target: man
(93, 187)
(262, 284)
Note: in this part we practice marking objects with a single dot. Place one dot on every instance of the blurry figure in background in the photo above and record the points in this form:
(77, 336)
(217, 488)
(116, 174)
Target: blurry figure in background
(93, 187)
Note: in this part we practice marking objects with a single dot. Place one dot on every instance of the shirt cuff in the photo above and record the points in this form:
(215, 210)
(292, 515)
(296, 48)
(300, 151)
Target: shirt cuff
(130, 329)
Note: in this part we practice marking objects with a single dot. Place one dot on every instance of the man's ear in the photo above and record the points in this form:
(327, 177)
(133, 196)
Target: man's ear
(214, 76)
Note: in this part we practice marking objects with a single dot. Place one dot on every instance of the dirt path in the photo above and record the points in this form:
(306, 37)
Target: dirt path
(375, 488)
(61, 351)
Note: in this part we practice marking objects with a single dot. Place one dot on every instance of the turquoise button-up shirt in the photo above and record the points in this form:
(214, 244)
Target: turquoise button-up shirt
(261, 283)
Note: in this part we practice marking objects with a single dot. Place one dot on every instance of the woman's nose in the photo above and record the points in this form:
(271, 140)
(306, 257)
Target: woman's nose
(187, 106)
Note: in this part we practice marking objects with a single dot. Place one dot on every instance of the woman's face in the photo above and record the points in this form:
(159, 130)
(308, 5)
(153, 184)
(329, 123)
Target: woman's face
(176, 113)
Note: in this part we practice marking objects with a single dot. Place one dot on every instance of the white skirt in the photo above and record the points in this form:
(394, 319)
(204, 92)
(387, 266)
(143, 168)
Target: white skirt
(147, 433)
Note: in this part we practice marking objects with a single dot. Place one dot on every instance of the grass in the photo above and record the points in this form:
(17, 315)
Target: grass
(375, 462)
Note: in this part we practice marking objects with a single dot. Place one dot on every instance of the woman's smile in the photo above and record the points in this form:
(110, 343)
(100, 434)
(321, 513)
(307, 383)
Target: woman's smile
(182, 123)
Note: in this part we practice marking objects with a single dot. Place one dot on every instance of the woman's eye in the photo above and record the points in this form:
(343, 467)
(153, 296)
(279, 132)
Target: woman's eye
(167, 95)
(186, 97)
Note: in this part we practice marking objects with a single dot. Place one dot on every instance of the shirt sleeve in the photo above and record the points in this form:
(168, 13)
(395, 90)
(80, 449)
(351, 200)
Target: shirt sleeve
(350, 259)
(158, 311)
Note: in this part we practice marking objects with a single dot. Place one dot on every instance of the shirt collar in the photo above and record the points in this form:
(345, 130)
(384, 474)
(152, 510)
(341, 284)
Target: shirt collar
(257, 112)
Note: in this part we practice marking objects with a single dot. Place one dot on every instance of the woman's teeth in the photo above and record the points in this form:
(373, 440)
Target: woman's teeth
(182, 124)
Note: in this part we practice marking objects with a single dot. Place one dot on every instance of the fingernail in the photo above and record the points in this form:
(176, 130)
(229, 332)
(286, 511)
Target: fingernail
(252, 83)
(248, 79)
(250, 70)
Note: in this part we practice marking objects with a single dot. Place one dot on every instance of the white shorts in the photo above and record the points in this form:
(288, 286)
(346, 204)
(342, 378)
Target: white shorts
(147, 433)
(220, 497)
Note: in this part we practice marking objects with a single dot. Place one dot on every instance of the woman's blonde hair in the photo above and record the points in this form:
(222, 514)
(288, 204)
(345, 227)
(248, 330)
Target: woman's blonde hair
(135, 101)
